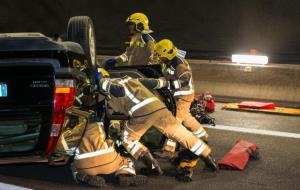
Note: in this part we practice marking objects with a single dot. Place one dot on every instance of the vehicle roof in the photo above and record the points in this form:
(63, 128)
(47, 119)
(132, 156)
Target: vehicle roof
(35, 42)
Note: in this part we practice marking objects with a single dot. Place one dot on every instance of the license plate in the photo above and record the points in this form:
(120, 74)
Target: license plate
(3, 90)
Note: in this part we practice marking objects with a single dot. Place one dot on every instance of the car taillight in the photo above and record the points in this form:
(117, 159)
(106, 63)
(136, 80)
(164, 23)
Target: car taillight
(63, 99)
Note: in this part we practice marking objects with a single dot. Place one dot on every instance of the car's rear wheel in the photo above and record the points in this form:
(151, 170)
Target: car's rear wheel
(81, 30)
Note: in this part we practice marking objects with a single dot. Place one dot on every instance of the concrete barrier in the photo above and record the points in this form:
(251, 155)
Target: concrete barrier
(279, 83)
(230, 82)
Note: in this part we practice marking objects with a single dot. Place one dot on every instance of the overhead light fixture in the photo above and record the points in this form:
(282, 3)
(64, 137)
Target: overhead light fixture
(251, 59)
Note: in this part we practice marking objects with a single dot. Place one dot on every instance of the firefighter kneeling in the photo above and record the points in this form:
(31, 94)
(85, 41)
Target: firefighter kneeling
(96, 157)
(131, 98)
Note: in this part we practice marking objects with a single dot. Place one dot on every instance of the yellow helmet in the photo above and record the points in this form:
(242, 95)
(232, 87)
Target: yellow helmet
(165, 48)
(140, 20)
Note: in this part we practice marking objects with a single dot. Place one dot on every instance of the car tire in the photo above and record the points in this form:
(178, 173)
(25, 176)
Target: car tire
(81, 30)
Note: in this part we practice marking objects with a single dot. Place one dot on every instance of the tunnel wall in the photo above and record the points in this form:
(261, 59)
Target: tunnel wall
(206, 29)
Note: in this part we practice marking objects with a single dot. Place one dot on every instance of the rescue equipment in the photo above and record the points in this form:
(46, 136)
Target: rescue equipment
(238, 156)
(276, 110)
(202, 106)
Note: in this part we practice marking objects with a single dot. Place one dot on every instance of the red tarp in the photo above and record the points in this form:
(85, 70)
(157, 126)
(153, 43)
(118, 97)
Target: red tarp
(256, 105)
(238, 156)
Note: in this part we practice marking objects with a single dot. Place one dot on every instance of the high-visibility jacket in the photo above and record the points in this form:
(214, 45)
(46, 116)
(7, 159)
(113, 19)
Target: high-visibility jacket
(179, 73)
(140, 50)
(130, 97)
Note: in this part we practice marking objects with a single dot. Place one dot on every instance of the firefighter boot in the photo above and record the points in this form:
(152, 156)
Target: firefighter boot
(151, 163)
(93, 180)
(210, 162)
(184, 174)
(125, 180)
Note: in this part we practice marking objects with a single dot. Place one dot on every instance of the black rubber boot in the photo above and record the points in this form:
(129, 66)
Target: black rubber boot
(131, 180)
(151, 163)
(184, 174)
(93, 180)
(210, 162)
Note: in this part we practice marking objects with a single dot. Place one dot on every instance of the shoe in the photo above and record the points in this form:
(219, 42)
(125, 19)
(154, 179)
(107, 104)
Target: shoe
(93, 180)
(211, 163)
(131, 180)
(166, 154)
(184, 174)
(151, 163)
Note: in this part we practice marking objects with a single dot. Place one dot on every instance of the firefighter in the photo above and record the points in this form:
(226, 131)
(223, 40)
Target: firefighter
(144, 110)
(141, 45)
(96, 157)
(179, 76)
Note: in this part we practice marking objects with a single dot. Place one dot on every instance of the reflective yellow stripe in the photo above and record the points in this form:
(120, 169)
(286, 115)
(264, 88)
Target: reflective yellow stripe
(142, 104)
(93, 154)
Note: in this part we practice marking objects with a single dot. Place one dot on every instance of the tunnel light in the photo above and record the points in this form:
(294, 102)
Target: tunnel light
(252, 59)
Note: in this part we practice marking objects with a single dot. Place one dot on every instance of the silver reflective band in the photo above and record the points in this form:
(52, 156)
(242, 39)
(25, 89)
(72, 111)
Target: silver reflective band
(185, 92)
(176, 84)
(104, 85)
(161, 83)
(124, 57)
(171, 143)
(93, 154)
(188, 92)
(142, 104)
(196, 146)
(201, 149)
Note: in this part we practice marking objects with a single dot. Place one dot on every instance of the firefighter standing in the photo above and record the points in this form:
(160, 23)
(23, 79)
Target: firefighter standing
(141, 45)
(130, 97)
(179, 75)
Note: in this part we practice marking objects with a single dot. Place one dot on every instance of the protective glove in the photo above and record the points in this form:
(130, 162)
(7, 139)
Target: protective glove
(109, 64)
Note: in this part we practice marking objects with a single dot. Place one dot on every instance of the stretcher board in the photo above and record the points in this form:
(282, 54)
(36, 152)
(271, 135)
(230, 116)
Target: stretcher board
(276, 110)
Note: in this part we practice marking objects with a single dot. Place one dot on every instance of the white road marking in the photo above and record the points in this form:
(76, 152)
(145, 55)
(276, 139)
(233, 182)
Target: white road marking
(4, 186)
(254, 131)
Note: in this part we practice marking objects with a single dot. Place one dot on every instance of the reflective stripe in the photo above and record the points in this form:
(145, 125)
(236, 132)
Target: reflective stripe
(161, 83)
(170, 71)
(126, 168)
(64, 143)
(127, 92)
(176, 84)
(171, 143)
(124, 57)
(105, 84)
(201, 149)
(93, 154)
(185, 92)
(132, 144)
(196, 146)
(142, 104)
(136, 148)
(131, 96)
(201, 134)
